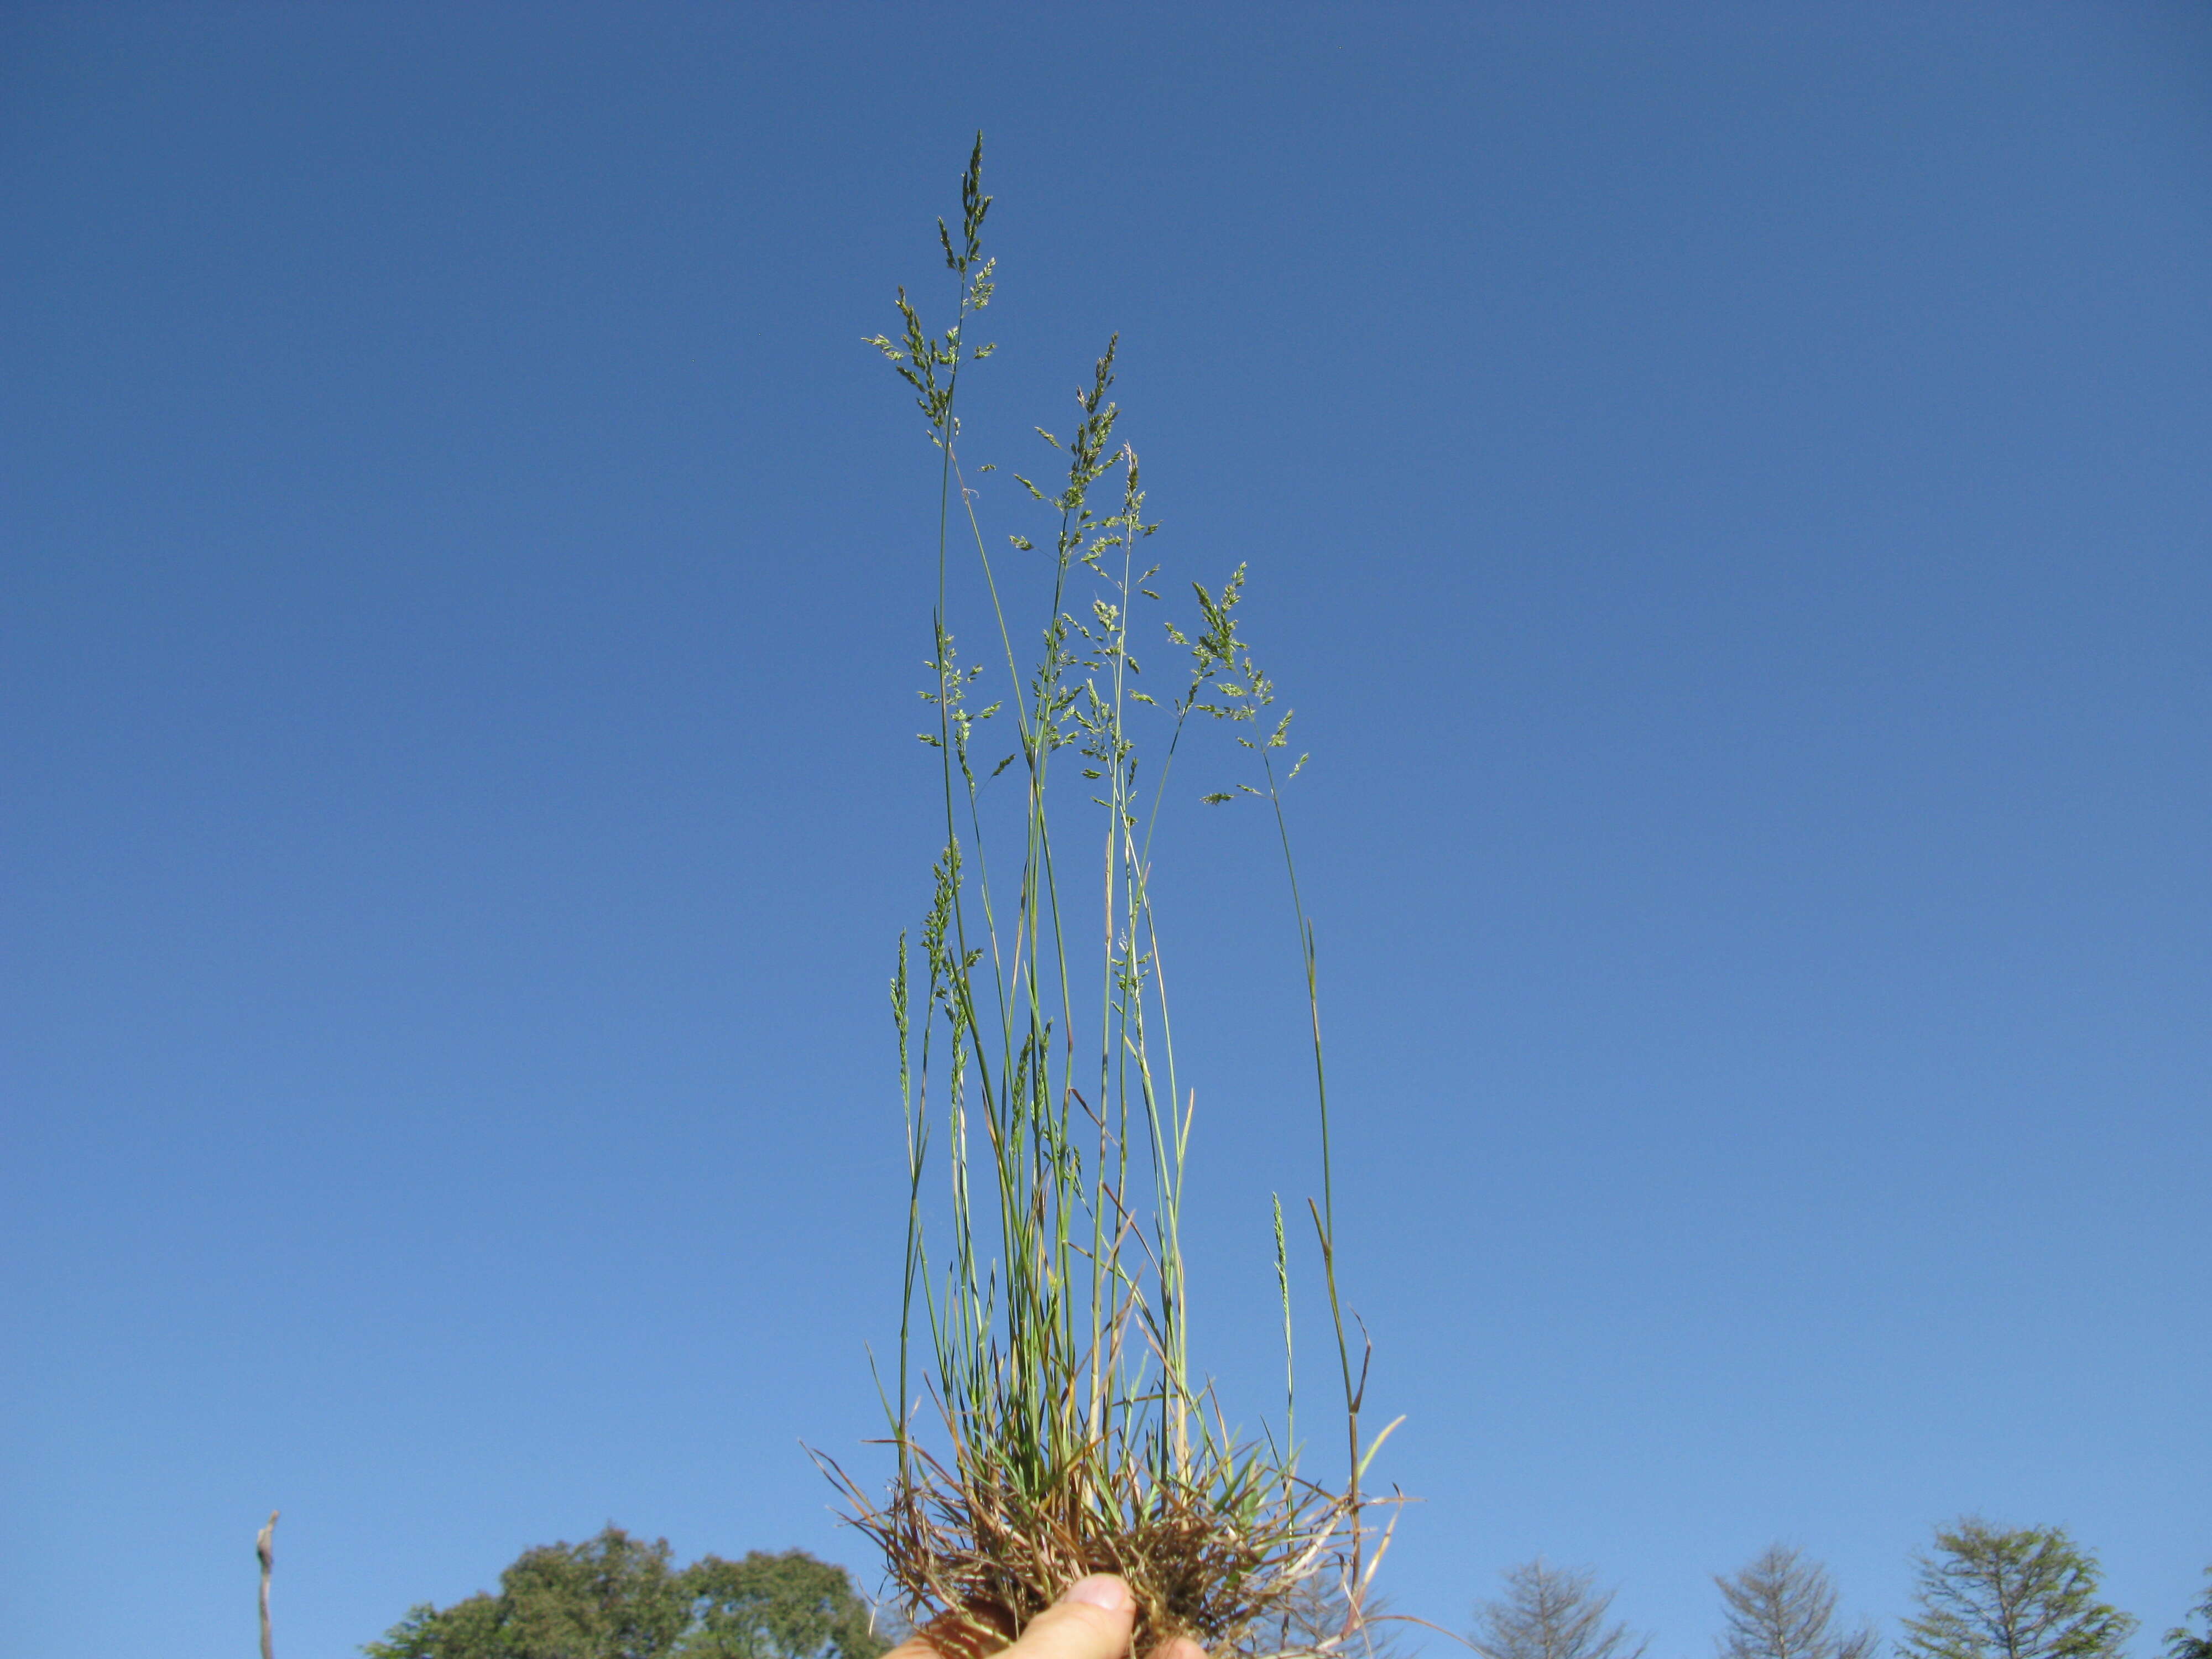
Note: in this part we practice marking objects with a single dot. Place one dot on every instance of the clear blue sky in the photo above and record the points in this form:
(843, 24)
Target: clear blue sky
(1728, 490)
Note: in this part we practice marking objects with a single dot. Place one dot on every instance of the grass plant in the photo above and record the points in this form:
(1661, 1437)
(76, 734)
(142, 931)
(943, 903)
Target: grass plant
(1047, 1421)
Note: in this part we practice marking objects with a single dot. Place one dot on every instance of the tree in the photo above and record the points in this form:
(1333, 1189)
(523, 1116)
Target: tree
(611, 1597)
(775, 1607)
(1993, 1593)
(473, 1629)
(616, 1597)
(1317, 1618)
(1550, 1613)
(2181, 1643)
(1782, 1605)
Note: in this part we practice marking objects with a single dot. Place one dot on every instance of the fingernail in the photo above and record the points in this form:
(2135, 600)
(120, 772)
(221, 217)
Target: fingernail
(1101, 1589)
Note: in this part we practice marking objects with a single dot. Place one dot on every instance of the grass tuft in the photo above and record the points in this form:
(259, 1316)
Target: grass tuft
(1044, 1320)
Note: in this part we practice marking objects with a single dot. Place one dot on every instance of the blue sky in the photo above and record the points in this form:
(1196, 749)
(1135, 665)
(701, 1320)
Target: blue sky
(1725, 489)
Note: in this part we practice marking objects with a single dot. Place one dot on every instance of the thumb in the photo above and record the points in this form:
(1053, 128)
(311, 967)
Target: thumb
(1092, 1621)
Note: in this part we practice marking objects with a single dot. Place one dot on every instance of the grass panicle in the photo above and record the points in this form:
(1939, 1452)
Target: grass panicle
(1044, 1335)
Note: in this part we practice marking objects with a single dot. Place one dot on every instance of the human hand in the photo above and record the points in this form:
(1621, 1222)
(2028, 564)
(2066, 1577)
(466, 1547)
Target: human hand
(1093, 1620)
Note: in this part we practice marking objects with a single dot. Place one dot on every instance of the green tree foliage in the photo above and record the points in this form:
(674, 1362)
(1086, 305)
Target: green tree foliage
(775, 1607)
(618, 1597)
(467, 1629)
(1994, 1593)
(1782, 1605)
(2182, 1643)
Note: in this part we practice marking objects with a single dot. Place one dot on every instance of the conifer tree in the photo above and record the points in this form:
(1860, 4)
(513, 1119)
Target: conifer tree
(1996, 1592)
(1782, 1605)
(2182, 1643)
(1550, 1612)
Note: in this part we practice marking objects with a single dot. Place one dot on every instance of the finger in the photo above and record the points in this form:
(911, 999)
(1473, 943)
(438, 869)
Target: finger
(1093, 1620)
(1179, 1647)
(915, 1647)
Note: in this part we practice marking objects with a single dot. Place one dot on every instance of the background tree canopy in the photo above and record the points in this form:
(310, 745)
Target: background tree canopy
(1550, 1612)
(616, 1597)
(2011, 1593)
(1782, 1605)
(2183, 1643)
